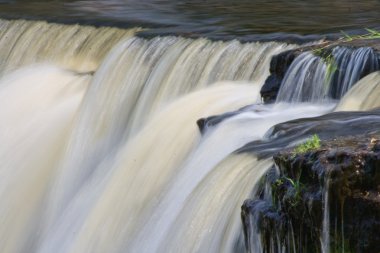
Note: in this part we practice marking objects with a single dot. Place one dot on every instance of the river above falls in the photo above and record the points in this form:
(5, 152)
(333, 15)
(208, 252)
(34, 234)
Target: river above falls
(246, 20)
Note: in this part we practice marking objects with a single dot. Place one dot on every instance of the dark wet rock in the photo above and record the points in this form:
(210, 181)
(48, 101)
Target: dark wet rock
(280, 64)
(328, 126)
(348, 169)
(205, 123)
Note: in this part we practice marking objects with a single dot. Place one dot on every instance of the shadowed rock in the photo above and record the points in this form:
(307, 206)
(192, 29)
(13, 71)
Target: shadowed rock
(348, 170)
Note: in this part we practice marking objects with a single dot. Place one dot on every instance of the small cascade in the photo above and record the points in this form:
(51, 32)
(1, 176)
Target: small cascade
(74, 47)
(306, 79)
(316, 78)
(363, 96)
(351, 65)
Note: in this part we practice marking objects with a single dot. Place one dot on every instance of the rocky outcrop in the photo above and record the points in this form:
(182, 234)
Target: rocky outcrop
(344, 174)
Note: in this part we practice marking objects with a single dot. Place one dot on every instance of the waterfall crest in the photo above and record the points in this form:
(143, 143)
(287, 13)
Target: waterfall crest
(74, 47)
(146, 74)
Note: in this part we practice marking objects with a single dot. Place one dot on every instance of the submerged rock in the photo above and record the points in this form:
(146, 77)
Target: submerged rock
(344, 174)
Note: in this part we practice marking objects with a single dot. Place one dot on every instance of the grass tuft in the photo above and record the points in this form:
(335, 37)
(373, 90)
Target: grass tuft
(313, 143)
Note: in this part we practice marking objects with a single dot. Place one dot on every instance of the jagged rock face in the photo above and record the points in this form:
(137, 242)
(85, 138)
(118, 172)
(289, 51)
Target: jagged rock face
(278, 66)
(349, 171)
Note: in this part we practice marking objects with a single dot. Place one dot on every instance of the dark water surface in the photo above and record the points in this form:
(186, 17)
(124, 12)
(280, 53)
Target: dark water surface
(242, 19)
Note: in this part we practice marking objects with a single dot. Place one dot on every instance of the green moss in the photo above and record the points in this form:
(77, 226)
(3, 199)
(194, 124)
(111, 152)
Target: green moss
(311, 144)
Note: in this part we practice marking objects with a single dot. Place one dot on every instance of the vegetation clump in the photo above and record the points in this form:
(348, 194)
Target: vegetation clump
(328, 58)
(311, 144)
(372, 34)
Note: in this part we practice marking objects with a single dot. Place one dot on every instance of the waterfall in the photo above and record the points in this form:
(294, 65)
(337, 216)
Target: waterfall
(100, 132)
(139, 77)
(312, 78)
(101, 148)
(149, 73)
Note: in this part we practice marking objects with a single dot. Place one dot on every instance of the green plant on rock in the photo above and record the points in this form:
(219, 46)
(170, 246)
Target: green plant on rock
(329, 61)
(331, 67)
(311, 144)
(327, 57)
(276, 185)
(297, 190)
(291, 194)
(372, 34)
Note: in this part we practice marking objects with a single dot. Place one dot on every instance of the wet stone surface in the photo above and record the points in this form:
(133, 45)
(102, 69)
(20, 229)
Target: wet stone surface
(348, 169)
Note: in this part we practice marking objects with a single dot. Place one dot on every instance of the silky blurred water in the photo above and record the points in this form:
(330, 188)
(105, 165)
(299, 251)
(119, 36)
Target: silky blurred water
(222, 19)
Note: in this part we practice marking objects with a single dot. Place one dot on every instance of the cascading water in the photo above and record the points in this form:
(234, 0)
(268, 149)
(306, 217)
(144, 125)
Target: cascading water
(112, 160)
(364, 96)
(313, 78)
(99, 149)
(352, 65)
(306, 78)
(74, 47)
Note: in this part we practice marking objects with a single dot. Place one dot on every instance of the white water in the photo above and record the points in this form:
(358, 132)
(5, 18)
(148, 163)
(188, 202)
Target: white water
(363, 96)
(145, 75)
(89, 159)
(112, 161)
(230, 135)
(306, 79)
(37, 107)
